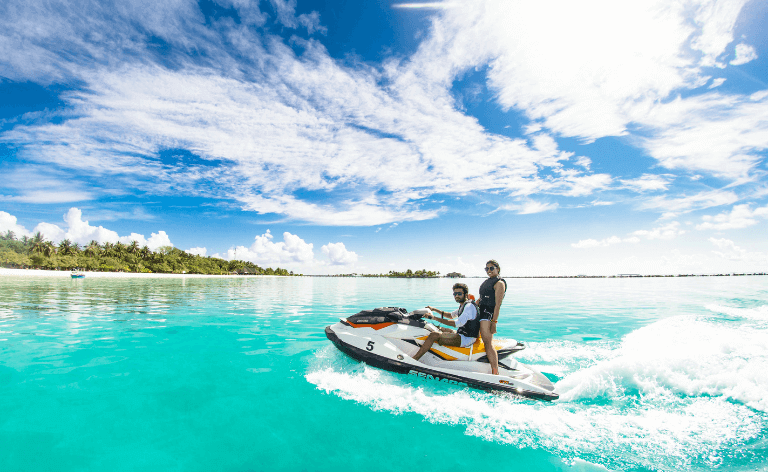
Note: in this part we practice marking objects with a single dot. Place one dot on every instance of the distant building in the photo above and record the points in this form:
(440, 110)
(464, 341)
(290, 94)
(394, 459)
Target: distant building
(454, 275)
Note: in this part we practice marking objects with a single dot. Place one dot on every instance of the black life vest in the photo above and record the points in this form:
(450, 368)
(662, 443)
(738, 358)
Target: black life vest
(471, 328)
(488, 294)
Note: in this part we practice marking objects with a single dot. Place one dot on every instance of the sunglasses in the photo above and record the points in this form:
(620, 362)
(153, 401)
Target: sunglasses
(456, 294)
(490, 269)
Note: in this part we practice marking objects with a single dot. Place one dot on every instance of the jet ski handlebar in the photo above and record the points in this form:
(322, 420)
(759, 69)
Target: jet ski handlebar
(418, 314)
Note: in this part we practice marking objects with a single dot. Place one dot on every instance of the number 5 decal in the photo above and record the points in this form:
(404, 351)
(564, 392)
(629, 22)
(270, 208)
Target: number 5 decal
(370, 346)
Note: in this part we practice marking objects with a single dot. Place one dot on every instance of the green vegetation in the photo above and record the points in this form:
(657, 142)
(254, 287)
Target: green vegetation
(36, 252)
(408, 274)
(411, 274)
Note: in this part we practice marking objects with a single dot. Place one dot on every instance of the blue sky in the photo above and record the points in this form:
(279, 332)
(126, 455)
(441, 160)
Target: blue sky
(560, 138)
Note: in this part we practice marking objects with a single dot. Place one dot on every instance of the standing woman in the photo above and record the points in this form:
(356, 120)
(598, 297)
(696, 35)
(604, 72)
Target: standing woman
(491, 295)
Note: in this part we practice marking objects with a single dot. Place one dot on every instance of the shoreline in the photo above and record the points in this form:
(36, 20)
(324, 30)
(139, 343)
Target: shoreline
(4, 272)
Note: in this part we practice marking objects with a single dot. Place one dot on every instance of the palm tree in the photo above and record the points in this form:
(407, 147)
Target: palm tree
(108, 249)
(75, 248)
(133, 248)
(37, 243)
(65, 247)
(92, 249)
(9, 236)
(49, 249)
(144, 252)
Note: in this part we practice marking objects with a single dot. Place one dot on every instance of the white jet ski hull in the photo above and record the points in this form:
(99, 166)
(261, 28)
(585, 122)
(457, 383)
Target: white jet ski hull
(391, 344)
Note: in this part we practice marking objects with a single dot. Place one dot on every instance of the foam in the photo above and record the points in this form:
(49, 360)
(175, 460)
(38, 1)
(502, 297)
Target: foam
(681, 393)
(758, 313)
(683, 355)
(567, 354)
(612, 436)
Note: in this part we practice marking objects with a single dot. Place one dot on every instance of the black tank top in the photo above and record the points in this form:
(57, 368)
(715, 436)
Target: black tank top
(488, 294)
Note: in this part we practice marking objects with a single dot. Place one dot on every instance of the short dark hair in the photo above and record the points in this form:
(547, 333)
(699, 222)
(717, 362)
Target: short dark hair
(493, 261)
(463, 287)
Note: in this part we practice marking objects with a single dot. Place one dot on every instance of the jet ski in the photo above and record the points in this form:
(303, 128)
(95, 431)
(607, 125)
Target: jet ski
(388, 337)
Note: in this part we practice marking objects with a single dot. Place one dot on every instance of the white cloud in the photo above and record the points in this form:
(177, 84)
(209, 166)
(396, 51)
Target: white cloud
(740, 216)
(78, 230)
(744, 53)
(528, 207)
(722, 135)
(583, 185)
(47, 197)
(343, 214)
(612, 84)
(263, 251)
(198, 251)
(286, 11)
(276, 123)
(590, 243)
(81, 232)
(722, 243)
(647, 182)
(699, 201)
(717, 82)
(311, 21)
(338, 254)
(155, 241)
(584, 162)
(668, 215)
(734, 253)
(423, 5)
(668, 231)
(522, 42)
(8, 222)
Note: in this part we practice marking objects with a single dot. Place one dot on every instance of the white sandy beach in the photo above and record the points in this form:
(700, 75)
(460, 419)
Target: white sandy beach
(65, 273)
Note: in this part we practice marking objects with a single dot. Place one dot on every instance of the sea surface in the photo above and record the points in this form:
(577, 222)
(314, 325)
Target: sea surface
(235, 374)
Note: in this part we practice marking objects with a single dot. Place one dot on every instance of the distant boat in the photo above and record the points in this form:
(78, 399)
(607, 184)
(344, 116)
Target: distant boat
(77, 275)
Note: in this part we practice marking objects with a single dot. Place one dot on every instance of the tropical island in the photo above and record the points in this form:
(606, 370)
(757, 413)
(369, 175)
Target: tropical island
(37, 253)
(408, 274)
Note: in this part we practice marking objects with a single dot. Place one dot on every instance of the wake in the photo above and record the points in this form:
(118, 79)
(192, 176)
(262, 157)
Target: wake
(680, 393)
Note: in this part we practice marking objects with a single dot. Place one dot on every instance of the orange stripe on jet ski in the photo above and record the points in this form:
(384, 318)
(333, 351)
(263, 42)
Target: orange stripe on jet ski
(477, 347)
(377, 326)
(439, 354)
(442, 355)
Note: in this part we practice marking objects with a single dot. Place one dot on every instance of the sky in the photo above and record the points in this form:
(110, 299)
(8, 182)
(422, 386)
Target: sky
(557, 137)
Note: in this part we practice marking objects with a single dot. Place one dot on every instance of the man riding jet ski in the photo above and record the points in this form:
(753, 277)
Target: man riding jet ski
(390, 338)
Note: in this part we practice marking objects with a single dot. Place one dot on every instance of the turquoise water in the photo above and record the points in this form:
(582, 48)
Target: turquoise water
(237, 375)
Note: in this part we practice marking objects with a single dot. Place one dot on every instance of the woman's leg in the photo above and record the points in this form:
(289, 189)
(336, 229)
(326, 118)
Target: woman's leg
(493, 356)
